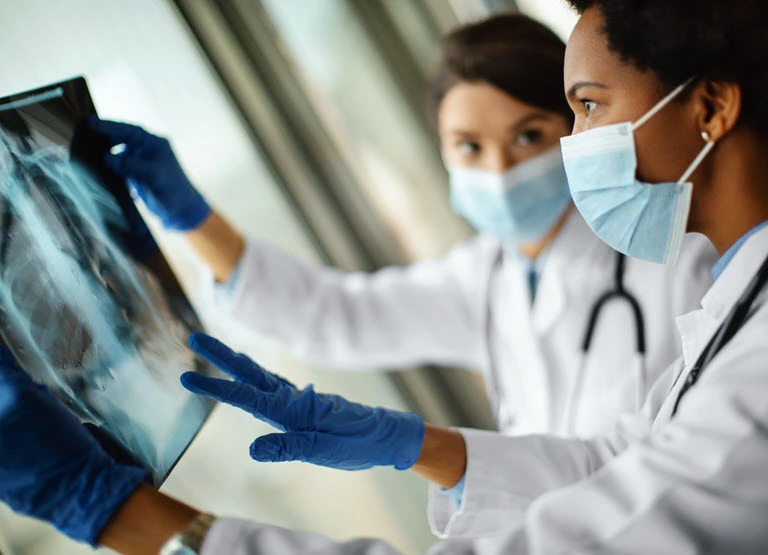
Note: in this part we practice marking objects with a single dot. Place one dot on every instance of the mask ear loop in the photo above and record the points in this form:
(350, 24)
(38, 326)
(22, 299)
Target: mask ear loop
(699, 159)
(661, 104)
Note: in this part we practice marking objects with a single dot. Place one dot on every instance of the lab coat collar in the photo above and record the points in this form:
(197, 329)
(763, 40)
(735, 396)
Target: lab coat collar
(733, 281)
(571, 237)
(574, 242)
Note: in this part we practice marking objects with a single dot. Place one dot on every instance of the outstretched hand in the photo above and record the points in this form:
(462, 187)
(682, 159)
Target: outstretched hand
(321, 429)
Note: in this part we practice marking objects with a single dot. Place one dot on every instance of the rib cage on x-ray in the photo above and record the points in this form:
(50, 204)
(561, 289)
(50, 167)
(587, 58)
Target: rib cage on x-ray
(83, 317)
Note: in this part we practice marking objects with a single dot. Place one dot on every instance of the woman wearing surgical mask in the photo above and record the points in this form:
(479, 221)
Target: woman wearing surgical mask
(514, 303)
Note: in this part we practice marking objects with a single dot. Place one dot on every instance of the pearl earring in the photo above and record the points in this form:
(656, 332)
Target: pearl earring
(706, 136)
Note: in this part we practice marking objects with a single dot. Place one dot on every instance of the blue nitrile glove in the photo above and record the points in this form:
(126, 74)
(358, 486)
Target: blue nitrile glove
(51, 468)
(151, 168)
(321, 429)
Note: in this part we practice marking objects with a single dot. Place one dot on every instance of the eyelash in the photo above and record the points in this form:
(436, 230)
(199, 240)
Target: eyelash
(533, 136)
(529, 137)
(468, 148)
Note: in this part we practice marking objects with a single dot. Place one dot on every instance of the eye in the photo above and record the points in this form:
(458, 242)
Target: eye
(468, 148)
(589, 105)
(528, 137)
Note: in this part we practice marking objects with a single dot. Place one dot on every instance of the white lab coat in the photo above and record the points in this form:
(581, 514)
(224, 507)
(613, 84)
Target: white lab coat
(695, 483)
(473, 309)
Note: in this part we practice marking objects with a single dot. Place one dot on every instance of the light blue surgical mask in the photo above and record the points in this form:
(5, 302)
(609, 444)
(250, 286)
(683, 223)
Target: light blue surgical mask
(516, 206)
(639, 219)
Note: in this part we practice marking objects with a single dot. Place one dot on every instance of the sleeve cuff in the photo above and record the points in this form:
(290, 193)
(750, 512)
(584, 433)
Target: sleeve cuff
(226, 291)
(486, 507)
(456, 493)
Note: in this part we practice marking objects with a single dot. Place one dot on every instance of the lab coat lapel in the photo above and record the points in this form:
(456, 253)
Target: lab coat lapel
(697, 328)
(526, 378)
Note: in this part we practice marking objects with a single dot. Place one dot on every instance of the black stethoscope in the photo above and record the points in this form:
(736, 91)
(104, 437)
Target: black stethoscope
(732, 324)
(618, 293)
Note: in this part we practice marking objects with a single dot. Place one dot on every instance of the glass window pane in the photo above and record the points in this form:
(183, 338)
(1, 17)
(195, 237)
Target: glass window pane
(361, 106)
(554, 13)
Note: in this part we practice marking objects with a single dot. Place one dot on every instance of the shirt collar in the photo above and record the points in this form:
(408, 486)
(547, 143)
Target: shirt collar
(721, 264)
(736, 276)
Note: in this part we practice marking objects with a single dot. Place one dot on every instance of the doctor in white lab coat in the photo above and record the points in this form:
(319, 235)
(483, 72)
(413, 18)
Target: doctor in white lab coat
(514, 303)
(685, 475)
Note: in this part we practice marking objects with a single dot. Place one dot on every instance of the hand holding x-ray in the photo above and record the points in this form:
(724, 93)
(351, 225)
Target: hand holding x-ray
(150, 166)
(51, 468)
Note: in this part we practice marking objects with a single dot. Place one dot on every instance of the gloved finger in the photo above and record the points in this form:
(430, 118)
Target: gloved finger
(259, 404)
(238, 366)
(119, 453)
(290, 446)
(225, 391)
(12, 376)
(136, 189)
(116, 163)
(118, 132)
(7, 358)
(131, 164)
(19, 393)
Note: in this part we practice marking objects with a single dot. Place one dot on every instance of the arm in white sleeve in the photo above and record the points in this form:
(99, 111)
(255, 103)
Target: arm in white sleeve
(240, 537)
(430, 312)
(493, 496)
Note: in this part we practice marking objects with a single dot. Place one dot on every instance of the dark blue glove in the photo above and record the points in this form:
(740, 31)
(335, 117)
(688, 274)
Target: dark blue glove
(326, 430)
(51, 468)
(89, 149)
(151, 168)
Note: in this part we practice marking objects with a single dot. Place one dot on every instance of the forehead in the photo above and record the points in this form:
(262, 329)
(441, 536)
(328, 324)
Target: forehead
(473, 105)
(589, 58)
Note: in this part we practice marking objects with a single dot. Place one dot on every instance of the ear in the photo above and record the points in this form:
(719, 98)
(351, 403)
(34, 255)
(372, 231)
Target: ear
(721, 103)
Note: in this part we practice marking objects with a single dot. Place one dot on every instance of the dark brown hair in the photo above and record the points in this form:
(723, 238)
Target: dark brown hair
(513, 53)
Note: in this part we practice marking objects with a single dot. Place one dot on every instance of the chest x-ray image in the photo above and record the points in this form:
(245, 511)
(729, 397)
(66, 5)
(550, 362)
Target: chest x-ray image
(88, 304)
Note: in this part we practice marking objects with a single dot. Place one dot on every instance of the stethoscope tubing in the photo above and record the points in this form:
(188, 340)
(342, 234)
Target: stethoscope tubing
(729, 328)
(618, 293)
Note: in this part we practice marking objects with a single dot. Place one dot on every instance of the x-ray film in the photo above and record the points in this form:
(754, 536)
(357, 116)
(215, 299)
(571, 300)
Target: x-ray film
(88, 304)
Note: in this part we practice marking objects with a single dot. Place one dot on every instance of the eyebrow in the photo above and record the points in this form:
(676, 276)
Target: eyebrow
(581, 84)
(515, 126)
(528, 119)
(461, 132)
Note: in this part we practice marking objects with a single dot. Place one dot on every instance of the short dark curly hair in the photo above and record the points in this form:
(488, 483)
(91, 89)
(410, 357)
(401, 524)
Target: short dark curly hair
(717, 40)
(510, 51)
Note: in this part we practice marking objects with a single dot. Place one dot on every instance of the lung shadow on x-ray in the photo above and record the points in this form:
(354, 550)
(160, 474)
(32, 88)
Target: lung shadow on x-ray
(88, 304)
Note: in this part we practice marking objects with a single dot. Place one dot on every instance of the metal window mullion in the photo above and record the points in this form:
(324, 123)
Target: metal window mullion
(251, 25)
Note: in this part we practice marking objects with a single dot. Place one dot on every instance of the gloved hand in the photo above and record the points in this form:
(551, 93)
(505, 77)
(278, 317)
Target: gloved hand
(151, 168)
(51, 468)
(89, 149)
(321, 429)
